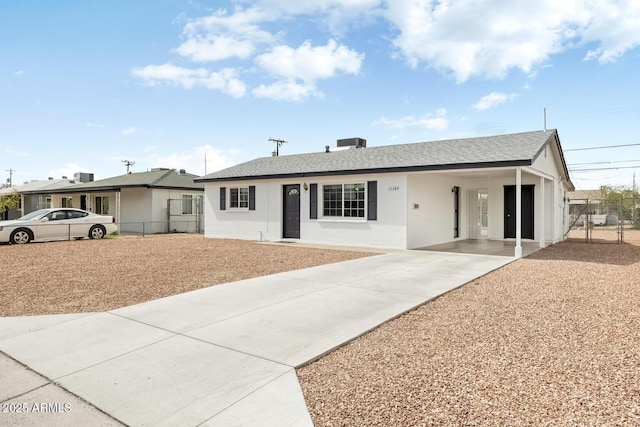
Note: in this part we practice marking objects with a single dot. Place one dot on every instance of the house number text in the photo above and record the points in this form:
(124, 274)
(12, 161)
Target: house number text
(394, 188)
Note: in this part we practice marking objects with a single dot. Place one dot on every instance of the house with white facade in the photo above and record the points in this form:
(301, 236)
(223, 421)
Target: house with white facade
(156, 201)
(407, 196)
(34, 195)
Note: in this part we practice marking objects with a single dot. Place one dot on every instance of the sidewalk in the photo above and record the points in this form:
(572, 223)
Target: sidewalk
(219, 356)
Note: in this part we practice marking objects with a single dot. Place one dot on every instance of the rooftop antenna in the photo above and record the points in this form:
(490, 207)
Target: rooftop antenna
(545, 119)
(278, 143)
(128, 164)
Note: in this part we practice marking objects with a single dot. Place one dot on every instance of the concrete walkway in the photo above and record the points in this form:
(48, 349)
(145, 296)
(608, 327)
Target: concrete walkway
(220, 356)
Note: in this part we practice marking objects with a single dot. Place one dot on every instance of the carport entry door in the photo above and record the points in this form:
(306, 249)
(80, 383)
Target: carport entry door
(510, 211)
(291, 212)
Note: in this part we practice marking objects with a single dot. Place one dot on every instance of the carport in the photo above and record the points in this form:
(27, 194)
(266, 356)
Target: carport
(484, 247)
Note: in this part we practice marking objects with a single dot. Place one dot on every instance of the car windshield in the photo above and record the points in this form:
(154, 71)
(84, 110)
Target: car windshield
(33, 215)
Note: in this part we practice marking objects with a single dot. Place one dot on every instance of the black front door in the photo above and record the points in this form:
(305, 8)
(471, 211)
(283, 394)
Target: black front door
(291, 211)
(510, 211)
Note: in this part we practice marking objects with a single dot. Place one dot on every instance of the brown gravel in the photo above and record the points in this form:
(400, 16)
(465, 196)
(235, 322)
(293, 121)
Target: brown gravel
(550, 340)
(98, 275)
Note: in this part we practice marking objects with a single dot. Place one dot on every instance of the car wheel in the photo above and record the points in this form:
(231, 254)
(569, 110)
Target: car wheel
(21, 236)
(97, 232)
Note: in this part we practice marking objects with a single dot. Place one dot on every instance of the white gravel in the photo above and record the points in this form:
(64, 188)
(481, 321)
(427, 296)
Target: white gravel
(552, 340)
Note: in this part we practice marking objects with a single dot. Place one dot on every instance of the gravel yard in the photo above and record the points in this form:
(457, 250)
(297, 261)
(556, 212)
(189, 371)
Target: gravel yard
(98, 275)
(553, 339)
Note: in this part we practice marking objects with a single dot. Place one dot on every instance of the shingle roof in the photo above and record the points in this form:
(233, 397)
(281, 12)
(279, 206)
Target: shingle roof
(156, 178)
(517, 149)
(40, 186)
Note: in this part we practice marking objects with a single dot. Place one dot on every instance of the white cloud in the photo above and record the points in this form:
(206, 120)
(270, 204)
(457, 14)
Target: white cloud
(170, 74)
(215, 48)
(489, 38)
(226, 80)
(222, 35)
(129, 131)
(18, 73)
(68, 170)
(95, 125)
(287, 90)
(437, 121)
(463, 39)
(493, 100)
(310, 63)
(614, 25)
(306, 63)
(193, 160)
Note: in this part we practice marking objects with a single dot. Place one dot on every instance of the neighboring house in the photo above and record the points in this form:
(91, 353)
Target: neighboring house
(591, 203)
(399, 196)
(34, 195)
(160, 200)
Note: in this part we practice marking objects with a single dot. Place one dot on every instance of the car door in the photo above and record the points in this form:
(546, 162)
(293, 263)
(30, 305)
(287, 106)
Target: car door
(54, 227)
(79, 223)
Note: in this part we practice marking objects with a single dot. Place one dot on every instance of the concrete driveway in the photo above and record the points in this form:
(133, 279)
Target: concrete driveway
(219, 356)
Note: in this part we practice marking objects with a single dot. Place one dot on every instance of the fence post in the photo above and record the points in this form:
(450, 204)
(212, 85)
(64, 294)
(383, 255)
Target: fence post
(620, 223)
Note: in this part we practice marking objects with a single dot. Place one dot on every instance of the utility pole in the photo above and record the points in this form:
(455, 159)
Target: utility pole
(128, 164)
(278, 143)
(11, 171)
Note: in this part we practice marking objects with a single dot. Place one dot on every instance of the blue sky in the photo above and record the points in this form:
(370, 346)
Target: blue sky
(86, 84)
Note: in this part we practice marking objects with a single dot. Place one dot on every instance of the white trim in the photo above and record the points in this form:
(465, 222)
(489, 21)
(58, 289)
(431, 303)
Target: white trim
(518, 248)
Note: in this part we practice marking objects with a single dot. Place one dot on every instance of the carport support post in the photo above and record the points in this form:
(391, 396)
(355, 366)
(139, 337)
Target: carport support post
(518, 250)
(542, 213)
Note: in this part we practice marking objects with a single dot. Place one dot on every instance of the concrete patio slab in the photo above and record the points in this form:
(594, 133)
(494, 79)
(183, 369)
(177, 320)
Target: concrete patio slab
(80, 343)
(16, 379)
(31, 400)
(13, 326)
(279, 403)
(52, 406)
(299, 330)
(201, 307)
(178, 381)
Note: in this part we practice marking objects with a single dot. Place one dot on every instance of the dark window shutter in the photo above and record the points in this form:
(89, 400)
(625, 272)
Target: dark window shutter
(372, 200)
(313, 201)
(223, 198)
(252, 197)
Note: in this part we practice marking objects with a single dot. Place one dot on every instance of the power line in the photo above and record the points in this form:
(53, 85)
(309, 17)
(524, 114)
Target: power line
(599, 148)
(602, 163)
(604, 169)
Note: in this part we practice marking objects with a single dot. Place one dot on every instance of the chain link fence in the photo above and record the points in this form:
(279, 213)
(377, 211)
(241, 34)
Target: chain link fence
(603, 220)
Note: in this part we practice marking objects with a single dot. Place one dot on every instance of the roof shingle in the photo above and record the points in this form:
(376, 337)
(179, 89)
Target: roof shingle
(500, 150)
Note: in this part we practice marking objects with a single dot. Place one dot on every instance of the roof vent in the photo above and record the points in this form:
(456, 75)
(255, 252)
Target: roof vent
(352, 142)
(183, 171)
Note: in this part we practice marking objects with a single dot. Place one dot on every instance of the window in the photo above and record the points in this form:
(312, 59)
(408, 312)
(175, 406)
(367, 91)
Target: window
(239, 198)
(187, 204)
(67, 202)
(102, 205)
(344, 200)
(76, 214)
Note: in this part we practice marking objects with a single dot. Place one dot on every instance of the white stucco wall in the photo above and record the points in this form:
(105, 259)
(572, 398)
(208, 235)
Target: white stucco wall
(135, 209)
(265, 222)
(431, 222)
(549, 162)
